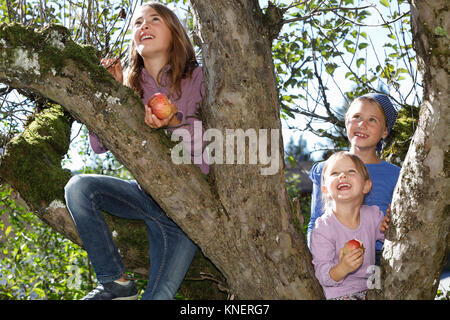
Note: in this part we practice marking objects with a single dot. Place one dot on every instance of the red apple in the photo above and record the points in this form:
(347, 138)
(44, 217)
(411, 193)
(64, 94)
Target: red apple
(352, 245)
(161, 106)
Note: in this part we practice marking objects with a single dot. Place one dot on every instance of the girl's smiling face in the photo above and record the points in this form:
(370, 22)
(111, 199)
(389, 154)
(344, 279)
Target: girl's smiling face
(365, 124)
(151, 34)
(343, 181)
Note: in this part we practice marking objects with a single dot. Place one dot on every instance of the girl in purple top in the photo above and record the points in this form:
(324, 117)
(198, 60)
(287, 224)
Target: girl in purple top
(345, 182)
(369, 120)
(162, 59)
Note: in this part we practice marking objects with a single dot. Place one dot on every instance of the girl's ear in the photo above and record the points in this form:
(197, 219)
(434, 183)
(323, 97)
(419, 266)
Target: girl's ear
(324, 189)
(385, 133)
(367, 186)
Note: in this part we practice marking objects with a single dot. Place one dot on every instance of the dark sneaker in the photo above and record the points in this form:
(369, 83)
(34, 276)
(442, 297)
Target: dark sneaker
(113, 291)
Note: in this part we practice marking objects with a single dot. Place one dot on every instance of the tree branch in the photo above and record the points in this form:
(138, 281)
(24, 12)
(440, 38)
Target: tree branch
(73, 78)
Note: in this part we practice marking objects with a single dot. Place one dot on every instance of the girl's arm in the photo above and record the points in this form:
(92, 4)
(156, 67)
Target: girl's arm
(95, 143)
(190, 120)
(316, 199)
(323, 251)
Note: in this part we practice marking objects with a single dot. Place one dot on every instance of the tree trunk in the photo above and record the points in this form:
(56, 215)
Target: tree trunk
(417, 242)
(242, 94)
(241, 219)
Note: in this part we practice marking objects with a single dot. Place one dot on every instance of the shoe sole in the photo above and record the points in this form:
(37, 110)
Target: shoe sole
(127, 298)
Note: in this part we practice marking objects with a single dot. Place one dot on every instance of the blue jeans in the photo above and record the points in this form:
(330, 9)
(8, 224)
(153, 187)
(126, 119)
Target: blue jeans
(171, 250)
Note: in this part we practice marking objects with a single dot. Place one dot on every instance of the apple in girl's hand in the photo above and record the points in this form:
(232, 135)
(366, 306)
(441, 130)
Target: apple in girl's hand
(161, 106)
(352, 245)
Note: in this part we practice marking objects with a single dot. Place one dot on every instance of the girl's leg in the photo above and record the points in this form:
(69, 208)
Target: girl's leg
(171, 251)
(86, 197)
(171, 254)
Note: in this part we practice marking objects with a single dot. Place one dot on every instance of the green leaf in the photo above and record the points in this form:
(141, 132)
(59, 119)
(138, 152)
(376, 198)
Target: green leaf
(363, 45)
(392, 36)
(350, 49)
(291, 161)
(385, 3)
(39, 292)
(8, 230)
(348, 43)
(330, 67)
(360, 61)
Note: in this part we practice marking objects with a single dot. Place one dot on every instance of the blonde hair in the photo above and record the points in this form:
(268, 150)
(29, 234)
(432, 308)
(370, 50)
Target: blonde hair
(181, 56)
(359, 164)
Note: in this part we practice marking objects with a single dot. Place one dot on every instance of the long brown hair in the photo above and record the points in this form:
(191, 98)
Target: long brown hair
(181, 56)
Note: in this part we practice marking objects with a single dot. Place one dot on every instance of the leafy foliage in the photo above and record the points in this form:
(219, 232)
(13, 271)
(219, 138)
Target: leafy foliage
(37, 262)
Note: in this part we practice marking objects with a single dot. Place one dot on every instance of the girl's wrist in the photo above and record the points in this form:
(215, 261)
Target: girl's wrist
(174, 121)
(338, 272)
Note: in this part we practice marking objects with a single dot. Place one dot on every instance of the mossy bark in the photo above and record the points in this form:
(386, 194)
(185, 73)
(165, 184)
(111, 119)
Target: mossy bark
(32, 166)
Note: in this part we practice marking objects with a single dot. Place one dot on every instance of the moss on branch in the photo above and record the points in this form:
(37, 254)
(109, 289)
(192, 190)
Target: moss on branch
(32, 162)
(47, 51)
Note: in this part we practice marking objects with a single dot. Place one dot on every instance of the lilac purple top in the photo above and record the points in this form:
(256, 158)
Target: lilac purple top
(192, 92)
(329, 236)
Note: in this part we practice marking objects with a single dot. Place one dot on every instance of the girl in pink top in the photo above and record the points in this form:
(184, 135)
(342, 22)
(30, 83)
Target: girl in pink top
(345, 182)
(162, 59)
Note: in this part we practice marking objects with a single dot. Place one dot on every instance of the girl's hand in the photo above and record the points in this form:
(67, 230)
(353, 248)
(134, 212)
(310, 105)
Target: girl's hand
(153, 122)
(114, 66)
(352, 260)
(385, 223)
(347, 263)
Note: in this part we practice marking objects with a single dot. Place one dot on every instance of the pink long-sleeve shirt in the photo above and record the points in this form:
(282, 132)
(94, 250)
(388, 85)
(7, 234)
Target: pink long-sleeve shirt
(329, 236)
(192, 92)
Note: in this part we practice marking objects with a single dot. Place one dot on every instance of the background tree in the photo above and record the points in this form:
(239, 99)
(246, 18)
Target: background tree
(297, 151)
(277, 263)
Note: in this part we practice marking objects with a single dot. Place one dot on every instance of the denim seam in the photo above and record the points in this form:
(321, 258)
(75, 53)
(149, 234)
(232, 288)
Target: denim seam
(111, 246)
(163, 260)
